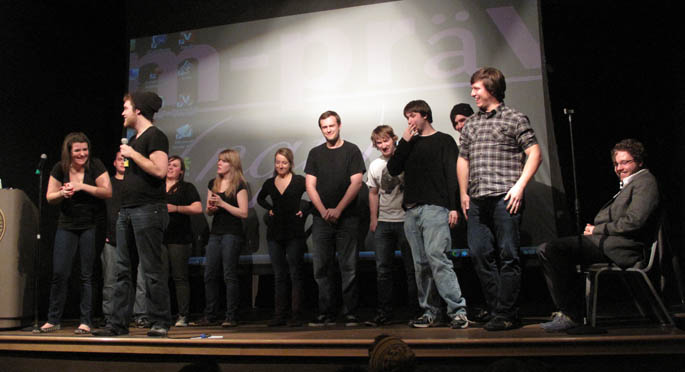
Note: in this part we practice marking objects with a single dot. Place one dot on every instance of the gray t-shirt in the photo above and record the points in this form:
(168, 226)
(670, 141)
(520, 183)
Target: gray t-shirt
(390, 191)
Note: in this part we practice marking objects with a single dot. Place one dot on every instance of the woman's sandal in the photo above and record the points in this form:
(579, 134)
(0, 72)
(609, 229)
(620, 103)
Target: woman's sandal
(82, 330)
(52, 328)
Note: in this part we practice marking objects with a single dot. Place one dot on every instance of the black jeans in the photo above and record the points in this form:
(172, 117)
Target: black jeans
(494, 242)
(142, 228)
(178, 259)
(329, 239)
(387, 238)
(287, 256)
(559, 259)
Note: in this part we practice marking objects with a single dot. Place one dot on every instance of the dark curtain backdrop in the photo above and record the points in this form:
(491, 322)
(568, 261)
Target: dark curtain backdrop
(63, 68)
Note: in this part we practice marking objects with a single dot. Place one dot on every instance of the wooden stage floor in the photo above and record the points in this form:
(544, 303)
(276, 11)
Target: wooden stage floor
(257, 340)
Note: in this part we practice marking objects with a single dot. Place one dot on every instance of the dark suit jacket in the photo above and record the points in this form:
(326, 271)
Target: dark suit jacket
(627, 223)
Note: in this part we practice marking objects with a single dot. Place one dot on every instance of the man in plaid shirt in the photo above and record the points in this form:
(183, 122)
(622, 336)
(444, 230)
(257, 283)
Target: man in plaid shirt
(499, 155)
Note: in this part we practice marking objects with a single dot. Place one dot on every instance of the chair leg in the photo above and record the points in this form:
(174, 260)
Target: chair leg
(588, 298)
(595, 289)
(656, 296)
(633, 295)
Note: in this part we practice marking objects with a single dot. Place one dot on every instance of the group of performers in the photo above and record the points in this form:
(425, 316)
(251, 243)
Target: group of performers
(419, 188)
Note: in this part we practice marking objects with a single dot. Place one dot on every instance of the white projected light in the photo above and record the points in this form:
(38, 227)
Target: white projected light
(261, 85)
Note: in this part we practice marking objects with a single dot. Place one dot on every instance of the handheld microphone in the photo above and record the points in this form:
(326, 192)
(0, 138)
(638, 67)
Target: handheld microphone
(41, 163)
(124, 141)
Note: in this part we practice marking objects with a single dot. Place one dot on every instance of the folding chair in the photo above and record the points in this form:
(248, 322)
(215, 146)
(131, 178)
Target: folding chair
(592, 274)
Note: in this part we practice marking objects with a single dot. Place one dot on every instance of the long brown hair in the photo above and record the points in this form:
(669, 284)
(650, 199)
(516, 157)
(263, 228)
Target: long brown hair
(179, 181)
(232, 157)
(69, 140)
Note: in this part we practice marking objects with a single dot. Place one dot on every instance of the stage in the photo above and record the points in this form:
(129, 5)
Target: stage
(630, 345)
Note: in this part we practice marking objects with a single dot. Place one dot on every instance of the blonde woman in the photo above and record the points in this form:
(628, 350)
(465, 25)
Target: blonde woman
(285, 236)
(227, 201)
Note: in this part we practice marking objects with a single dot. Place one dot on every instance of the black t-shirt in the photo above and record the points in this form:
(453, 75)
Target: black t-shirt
(141, 188)
(333, 169)
(430, 170)
(179, 230)
(113, 204)
(284, 224)
(224, 222)
(82, 209)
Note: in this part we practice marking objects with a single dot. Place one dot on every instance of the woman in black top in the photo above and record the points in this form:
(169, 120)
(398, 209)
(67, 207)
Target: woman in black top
(182, 202)
(78, 184)
(285, 235)
(227, 202)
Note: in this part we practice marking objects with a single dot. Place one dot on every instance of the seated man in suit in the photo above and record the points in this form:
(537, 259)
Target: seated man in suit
(622, 230)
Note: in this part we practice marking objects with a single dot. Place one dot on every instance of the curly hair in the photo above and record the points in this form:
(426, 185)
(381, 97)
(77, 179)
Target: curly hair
(634, 147)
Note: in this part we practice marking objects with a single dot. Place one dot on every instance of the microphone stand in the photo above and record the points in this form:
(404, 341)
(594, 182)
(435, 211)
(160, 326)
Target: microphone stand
(569, 113)
(36, 254)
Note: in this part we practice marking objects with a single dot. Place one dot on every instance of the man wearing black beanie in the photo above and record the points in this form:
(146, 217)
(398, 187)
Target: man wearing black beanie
(460, 112)
(143, 217)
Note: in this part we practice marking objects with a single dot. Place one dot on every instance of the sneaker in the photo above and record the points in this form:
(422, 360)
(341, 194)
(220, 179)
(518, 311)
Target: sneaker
(351, 320)
(108, 331)
(424, 321)
(157, 331)
(560, 322)
(276, 322)
(459, 322)
(481, 316)
(501, 323)
(143, 323)
(181, 322)
(229, 323)
(379, 320)
(322, 321)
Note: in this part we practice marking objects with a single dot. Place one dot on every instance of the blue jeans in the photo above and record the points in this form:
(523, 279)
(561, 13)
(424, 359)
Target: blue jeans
(222, 250)
(66, 244)
(287, 256)
(340, 237)
(108, 260)
(493, 236)
(428, 232)
(142, 228)
(387, 237)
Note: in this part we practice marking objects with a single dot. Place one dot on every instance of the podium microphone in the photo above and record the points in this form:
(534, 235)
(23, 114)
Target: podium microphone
(124, 141)
(41, 163)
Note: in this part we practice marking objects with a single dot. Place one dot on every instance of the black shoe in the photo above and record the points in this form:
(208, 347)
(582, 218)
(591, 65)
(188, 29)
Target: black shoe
(500, 323)
(481, 316)
(229, 323)
(379, 320)
(143, 323)
(322, 321)
(108, 331)
(158, 331)
(205, 322)
(276, 322)
(295, 322)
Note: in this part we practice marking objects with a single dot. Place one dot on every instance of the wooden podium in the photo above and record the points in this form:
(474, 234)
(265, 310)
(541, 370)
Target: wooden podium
(18, 229)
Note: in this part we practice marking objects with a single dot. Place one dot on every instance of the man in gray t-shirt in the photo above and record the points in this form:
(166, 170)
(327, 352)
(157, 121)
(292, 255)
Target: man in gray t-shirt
(386, 194)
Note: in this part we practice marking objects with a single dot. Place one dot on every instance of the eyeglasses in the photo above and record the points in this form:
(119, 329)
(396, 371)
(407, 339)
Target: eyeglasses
(623, 163)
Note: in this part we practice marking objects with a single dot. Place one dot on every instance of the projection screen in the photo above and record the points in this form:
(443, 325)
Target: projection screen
(261, 85)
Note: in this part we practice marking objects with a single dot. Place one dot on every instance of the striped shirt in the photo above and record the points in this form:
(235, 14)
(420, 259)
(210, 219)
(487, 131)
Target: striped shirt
(494, 143)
